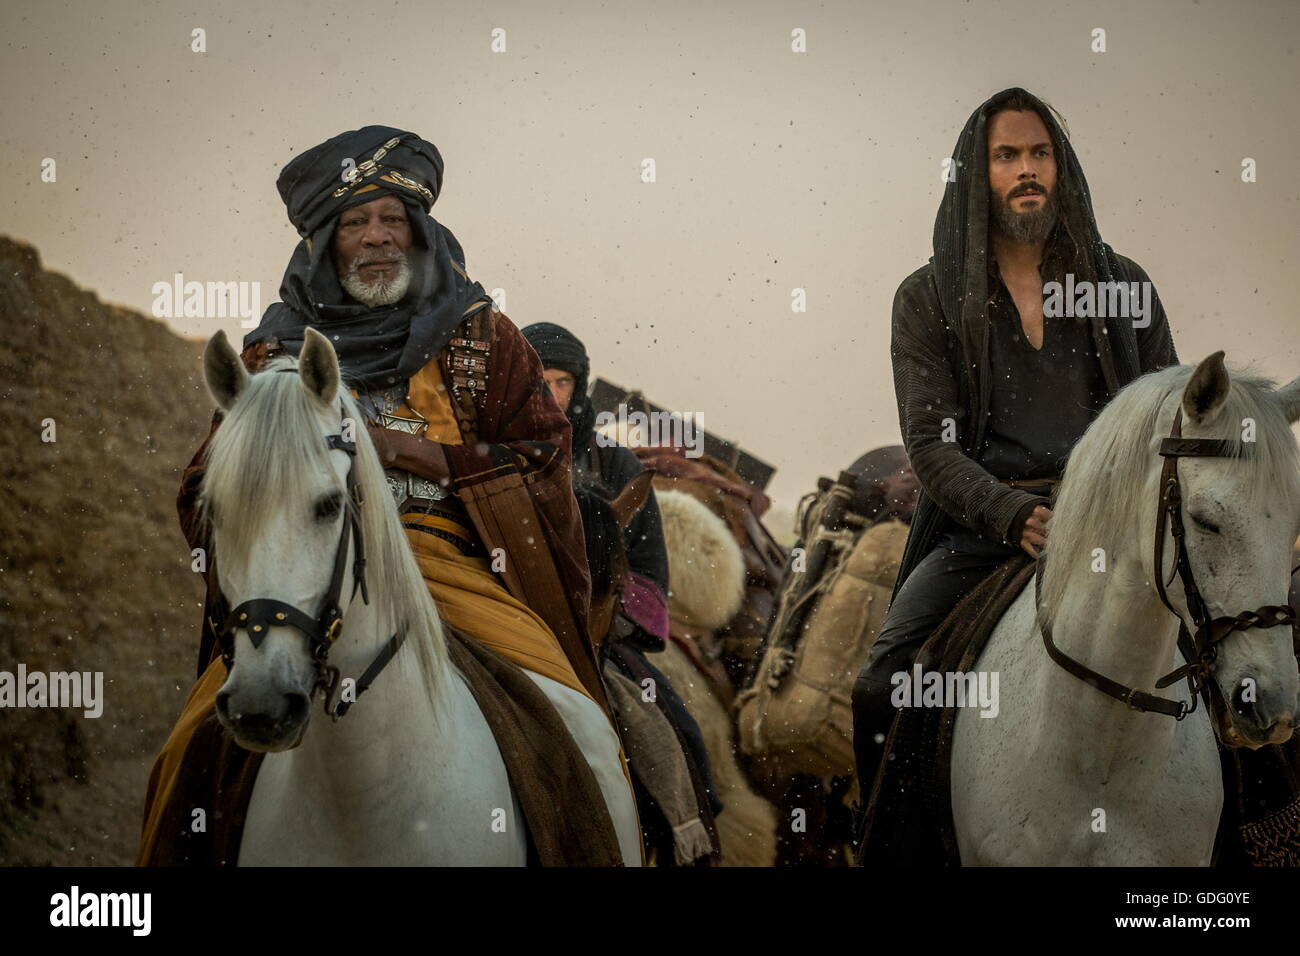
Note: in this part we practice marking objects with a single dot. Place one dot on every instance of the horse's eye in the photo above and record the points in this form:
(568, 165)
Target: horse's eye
(328, 506)
(1209, 526)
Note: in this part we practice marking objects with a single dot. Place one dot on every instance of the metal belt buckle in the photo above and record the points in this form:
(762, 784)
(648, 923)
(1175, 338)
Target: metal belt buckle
(396, 485)
(424, 488)
(402, 485)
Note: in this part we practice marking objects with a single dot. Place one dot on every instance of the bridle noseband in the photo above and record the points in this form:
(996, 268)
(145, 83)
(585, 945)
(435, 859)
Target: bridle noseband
(259, 615)
(1201, 649)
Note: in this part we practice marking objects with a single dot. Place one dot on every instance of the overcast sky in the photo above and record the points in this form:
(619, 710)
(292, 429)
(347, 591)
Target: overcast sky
(775, 170)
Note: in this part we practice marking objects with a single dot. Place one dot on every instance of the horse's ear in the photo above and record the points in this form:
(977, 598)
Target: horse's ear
(1289, 396)
(224, 371)
(631, 498)
(318, 366)
(1207, 389)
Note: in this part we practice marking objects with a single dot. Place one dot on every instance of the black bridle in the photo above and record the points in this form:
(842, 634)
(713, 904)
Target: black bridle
(1200, 649)
(259, 615)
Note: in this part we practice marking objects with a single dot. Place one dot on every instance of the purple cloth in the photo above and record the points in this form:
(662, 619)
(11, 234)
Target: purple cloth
(645, 605)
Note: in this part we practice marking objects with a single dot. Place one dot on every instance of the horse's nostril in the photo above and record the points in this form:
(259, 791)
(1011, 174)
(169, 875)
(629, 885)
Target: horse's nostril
(258, 726)
(298, 705)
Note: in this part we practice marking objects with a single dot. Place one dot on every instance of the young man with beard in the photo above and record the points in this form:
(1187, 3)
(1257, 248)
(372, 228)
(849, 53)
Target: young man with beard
(992, 394)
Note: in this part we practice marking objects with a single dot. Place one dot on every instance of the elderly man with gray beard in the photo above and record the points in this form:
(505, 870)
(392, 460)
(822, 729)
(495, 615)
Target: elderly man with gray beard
(372, 267)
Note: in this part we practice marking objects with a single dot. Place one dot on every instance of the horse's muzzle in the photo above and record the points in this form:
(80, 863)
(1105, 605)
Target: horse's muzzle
(1247, 724)
(268, 727)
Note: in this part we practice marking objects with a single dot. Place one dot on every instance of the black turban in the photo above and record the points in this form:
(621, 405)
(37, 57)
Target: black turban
(557, 347)
(384, 345)
(315, 190)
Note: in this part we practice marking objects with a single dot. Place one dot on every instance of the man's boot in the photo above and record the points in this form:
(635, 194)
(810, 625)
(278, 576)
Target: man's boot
(873, 716)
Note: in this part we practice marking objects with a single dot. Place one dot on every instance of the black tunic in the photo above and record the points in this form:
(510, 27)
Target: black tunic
(1043, 399)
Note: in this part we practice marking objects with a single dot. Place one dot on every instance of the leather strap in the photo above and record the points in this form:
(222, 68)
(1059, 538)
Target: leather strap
(1028, 483)
(532, 577)
(465, 366)
(1135, 699)
(386, 654)
(1170, 512)
(468, 548)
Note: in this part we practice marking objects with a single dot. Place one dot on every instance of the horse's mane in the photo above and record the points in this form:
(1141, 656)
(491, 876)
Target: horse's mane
(269, 450)
(1105, 485)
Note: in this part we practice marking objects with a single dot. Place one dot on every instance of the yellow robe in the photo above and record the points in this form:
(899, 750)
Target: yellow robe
(468, 595)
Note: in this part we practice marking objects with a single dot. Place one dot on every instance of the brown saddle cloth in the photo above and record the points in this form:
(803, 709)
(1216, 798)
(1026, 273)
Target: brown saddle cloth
(909, 816)
(567, 821)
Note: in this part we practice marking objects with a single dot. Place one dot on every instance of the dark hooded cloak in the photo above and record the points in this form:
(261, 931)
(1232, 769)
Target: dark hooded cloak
(940, 335)
(385, 345)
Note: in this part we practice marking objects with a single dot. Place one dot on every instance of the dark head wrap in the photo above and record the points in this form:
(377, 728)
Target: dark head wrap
(961, 230)
(557, 347)
(385, 345)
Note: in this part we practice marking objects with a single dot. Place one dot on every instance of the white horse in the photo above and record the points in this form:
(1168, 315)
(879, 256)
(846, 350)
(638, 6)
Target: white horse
(412, 775)
(1065, 774)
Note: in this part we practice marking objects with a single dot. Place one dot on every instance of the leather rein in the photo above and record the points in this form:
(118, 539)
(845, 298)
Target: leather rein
(1201, 649)
(259, 615)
